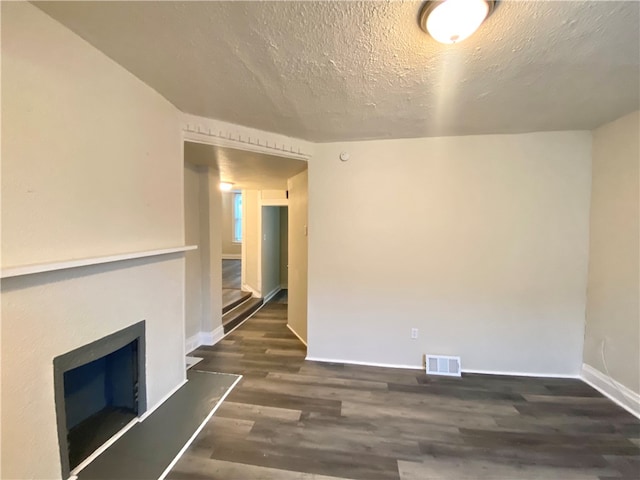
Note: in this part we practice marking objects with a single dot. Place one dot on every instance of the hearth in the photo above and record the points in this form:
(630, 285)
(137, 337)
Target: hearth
(99, 388)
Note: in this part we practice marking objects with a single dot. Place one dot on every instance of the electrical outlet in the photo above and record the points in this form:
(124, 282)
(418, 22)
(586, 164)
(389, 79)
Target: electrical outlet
(414, 333)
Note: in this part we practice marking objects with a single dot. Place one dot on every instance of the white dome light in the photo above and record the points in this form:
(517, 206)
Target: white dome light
(451, 21)
(226, 186)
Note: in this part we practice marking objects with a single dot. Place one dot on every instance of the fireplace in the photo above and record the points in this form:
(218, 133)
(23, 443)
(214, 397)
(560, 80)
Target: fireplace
(99, 388)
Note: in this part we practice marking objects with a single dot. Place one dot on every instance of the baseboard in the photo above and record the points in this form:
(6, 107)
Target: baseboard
(213, 337)
(232, 256)
(203, 338)
(284, 286)
(192, 343)
(247, 288)
(367, 364)
(421, 367)
(272, 294)
(618, 393)
(519, 374)
(296, 334)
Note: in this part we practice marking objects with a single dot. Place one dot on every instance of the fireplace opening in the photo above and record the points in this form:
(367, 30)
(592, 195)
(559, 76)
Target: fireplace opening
(100, 398)
(100, 388)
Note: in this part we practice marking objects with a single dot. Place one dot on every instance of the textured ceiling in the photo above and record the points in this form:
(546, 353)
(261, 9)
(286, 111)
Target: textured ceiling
(246, 170)
(327, 71)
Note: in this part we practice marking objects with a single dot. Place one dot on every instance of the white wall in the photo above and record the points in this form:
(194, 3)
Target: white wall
(270, 250)
(230, 249)
(480, 242)
(91, 165)
(298, 249)
(612, 301)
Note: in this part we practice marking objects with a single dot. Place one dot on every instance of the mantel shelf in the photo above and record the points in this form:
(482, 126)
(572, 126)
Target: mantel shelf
(84, 262)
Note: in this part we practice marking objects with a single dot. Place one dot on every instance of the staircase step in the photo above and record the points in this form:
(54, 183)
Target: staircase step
(231, 319)
(231, 298)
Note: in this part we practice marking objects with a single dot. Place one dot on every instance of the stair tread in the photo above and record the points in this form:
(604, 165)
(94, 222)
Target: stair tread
(231, 298)
(238, 314)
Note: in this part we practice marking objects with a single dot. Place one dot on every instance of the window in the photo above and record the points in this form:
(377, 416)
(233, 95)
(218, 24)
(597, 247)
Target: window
(237, 217)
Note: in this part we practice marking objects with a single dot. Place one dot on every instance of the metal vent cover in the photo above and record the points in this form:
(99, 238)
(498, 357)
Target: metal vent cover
(443, 365)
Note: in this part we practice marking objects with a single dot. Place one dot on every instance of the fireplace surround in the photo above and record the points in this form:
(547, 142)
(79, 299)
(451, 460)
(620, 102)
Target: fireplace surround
(99, 388)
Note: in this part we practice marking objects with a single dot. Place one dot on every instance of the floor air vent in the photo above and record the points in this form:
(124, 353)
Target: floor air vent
(440, 365)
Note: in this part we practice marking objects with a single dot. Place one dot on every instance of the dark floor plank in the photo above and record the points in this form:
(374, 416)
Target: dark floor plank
(231, 274)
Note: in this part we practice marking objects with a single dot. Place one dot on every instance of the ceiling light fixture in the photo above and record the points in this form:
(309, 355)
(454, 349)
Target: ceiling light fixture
(451, 21)
(226, 186)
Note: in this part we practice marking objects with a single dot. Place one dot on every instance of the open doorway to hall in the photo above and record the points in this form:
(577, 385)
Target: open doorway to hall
(275, 251)
(231, 241)
(245, 237)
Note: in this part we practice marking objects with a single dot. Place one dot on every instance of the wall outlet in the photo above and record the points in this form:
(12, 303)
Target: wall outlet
(414, 333)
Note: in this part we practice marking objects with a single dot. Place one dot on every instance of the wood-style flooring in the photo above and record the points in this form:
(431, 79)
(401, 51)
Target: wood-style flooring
(232, 274)
(293, 419)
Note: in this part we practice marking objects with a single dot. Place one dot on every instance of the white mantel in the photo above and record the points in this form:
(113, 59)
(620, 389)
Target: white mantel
(84, 262)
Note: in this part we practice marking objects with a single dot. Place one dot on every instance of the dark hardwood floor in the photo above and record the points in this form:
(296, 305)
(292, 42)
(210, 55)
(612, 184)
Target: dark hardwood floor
(231, 274)
(292, 419)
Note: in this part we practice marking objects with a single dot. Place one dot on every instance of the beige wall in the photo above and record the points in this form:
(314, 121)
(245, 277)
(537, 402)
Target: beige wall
(91, 165)
(193, 258)
(203, 223)
(251, 255)
(480, 242)
(612, 300)
(270, 250)
(211, 241)
(230, 249)
(298, 249)
(78, 203)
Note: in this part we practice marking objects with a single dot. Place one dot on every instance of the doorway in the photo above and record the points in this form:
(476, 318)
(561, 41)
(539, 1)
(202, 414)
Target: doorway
(231, 240)
(275, 250)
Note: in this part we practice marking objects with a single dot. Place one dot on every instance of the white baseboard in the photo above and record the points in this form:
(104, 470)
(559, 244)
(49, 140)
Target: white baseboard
(198, 430)
(232, 256)
(368, 364)
(213, 337)
(519, 374)
(296, 334)
(618, 393)
(192, 343)
(204, 338)
(272, 294)
(247, 288)
(422, 367)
